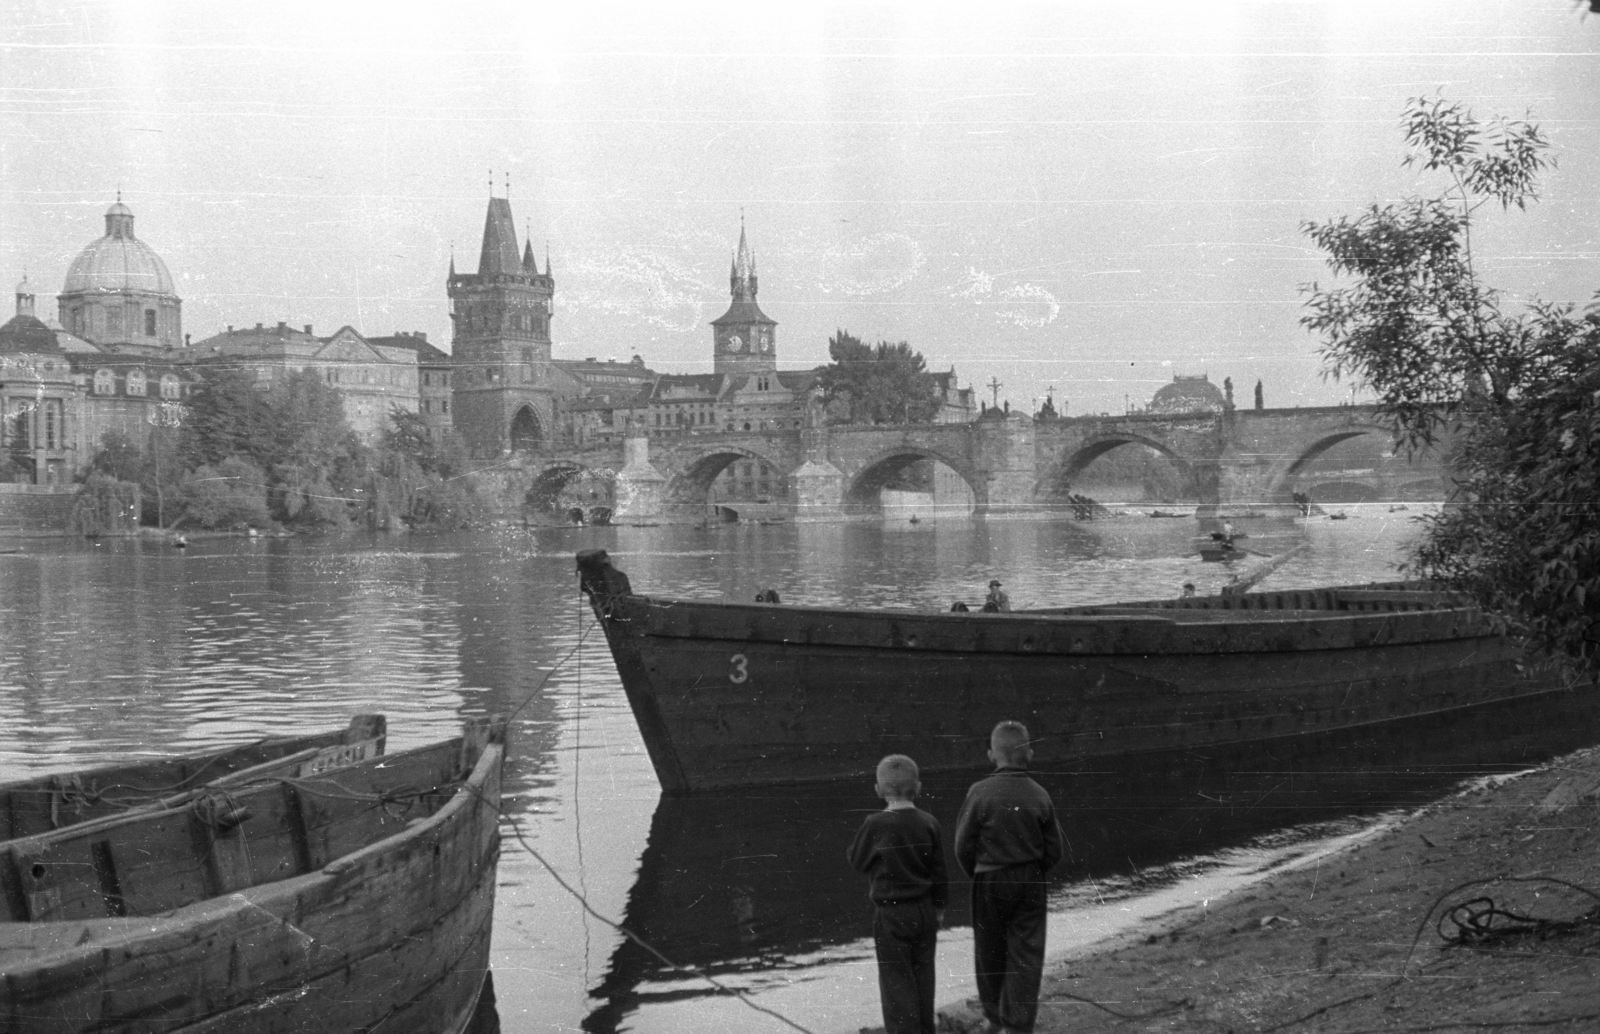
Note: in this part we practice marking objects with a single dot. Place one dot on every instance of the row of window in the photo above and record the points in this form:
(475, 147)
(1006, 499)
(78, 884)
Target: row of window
(26, 421)
(136, 384)
(444, 406)
(83, 322)
(473, 322)
(427, 379)
(357, 375)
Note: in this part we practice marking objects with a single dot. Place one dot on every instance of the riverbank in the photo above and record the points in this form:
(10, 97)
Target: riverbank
(1350, 941)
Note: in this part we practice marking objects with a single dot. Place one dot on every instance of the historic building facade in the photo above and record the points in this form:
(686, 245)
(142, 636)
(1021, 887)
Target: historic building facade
(117, 362)
(373, 376)
(500, 343)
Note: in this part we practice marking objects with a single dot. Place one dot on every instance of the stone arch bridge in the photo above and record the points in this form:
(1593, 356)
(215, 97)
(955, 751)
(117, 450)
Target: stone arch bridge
(1243, 460)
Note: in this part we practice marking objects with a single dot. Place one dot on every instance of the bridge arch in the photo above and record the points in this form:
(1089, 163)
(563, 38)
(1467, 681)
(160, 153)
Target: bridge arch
(863, 490)
(1284, 474)
(573, 492)
(691, 484)
(1057, 484)
(527, 430)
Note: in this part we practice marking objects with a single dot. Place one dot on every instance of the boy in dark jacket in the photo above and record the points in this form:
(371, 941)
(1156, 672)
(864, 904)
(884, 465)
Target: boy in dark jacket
(902, 850)
(1007, 840)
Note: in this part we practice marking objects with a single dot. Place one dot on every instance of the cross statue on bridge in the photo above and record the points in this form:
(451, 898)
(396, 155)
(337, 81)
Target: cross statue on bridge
(995, 386)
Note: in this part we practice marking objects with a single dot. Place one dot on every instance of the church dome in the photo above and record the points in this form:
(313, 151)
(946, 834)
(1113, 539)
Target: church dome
(119, 261)
(23, 333)
(1188, 395)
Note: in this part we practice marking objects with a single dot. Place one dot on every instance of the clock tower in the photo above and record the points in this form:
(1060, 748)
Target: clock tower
(744, 339)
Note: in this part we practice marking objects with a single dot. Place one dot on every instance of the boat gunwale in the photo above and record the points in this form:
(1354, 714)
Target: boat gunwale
(111, 932)
(665, 619)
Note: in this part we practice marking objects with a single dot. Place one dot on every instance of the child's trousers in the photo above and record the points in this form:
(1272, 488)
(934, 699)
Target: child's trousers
(1008, 928)
(905, 935)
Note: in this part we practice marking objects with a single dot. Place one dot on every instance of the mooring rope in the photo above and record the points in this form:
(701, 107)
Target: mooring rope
(555, 874)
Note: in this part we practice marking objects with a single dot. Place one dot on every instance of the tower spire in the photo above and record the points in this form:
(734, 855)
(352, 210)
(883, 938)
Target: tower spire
(743, 281)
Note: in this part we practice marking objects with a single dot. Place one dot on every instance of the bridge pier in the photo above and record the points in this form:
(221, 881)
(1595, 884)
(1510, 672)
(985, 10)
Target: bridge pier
(816, 487)
(1004, 449)
(640, 488)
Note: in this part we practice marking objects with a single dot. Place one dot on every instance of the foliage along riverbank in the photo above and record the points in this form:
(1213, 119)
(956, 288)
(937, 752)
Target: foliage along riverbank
(237, 456)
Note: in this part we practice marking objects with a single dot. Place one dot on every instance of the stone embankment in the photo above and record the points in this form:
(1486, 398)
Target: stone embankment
(1370, 939)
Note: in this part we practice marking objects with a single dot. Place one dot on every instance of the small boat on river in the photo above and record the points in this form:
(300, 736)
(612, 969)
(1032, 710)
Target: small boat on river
(729, 694)
(312, 884)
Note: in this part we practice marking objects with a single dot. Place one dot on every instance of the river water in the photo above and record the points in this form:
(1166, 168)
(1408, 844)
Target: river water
(122, 648)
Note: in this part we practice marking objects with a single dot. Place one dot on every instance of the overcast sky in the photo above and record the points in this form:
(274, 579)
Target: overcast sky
(1089, 196)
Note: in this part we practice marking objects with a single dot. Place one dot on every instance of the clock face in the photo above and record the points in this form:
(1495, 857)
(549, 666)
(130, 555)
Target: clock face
(735, 343)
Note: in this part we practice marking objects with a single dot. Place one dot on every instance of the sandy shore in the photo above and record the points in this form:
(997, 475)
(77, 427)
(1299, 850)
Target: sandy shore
(1351, 942)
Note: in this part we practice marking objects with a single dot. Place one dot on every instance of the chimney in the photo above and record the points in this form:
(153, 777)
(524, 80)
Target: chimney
(308, 330)
(230, 328)
(258, 326)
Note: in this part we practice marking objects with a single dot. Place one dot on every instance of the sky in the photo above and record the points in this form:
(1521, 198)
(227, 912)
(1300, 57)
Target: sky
(1072, 198)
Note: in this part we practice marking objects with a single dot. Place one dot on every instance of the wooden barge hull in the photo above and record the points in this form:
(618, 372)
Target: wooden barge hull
(392, 936)
(730, 695)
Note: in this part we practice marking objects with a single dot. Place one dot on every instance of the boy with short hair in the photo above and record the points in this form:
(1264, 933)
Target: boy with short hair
(1007, 840)
(901, 849)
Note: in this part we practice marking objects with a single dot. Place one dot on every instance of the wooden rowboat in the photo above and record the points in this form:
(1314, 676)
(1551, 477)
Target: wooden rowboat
(729, 694)
(332, 888)
(54, 801)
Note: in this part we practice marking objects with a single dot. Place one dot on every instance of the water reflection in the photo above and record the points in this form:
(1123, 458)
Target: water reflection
(754, 884)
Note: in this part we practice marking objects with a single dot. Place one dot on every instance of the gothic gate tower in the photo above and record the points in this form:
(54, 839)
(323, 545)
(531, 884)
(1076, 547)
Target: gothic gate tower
(744, 338)
(500, 345)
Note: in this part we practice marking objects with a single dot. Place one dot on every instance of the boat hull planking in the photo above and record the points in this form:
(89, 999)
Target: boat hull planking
(730, 695)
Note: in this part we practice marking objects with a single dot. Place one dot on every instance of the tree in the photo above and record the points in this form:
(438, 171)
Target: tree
(882, 384)
(293, 433)
(1519, 389)
(231, 494)
(118, 458)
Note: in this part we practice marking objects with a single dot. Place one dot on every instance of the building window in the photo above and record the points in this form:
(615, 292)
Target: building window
(444, 407)
(105, 382)
(52, 424)
(135, 380)
(114, 320)
(427, 405)
(149, 323)
(169, 386)
(427, 380)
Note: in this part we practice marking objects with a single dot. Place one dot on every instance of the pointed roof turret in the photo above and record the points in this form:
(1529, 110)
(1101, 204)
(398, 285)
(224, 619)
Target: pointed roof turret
(744, 269)
(742, 286)
(528, 265)
(547, 269)
(499, 253)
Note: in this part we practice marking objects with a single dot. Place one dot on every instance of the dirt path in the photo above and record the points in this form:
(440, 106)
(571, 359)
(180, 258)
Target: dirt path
(1350, 944)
